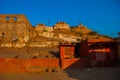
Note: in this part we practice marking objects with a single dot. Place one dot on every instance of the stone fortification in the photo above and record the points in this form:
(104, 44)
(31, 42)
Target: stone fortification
(15, 27)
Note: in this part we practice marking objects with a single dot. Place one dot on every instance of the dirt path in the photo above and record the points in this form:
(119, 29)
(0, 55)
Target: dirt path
(35, 76)
(106, 73)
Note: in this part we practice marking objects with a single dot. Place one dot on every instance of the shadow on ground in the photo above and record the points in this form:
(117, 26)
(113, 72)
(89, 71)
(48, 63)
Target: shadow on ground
(96, 73)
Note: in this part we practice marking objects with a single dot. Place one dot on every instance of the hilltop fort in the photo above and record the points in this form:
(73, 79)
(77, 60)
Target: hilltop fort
(17, 31)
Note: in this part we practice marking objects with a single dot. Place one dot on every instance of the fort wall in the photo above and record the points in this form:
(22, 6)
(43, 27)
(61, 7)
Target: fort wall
(14, 27)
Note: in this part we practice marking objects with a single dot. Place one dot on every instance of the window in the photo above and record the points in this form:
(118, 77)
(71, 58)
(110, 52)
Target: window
(15, 18)
(7, 18)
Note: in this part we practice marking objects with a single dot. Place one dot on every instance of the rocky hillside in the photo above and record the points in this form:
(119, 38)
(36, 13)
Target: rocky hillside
(52, 36)
(71, 34)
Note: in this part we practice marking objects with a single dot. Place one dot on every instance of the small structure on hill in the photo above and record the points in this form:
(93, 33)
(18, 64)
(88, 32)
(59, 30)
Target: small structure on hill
(43, 27)
(39, 27)
(61, 25)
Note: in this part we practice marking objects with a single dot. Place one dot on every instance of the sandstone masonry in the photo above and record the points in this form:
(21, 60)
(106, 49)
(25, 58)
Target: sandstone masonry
(14, 27)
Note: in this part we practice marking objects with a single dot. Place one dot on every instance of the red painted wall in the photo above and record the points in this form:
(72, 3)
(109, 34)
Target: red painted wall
(104, 55)
(69, 49)
(74, 63)
(33, 65)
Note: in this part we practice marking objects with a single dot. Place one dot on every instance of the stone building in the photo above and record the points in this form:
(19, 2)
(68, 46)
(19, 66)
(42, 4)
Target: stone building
(61, 25)
(40, 27)
(15, 27)
(43, 27)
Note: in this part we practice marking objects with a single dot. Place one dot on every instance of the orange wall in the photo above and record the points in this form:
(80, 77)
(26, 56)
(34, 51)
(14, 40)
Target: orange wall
(63, 50)
(38, 65)
(33, 65)
(74, 63)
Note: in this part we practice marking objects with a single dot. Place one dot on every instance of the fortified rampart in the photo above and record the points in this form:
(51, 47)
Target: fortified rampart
(14, 28)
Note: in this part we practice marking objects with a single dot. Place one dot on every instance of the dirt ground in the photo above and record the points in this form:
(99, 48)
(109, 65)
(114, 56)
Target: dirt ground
(101, 73)
(29, 52)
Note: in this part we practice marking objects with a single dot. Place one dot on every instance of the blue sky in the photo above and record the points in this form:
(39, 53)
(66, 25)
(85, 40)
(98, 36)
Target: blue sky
(102, 16)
